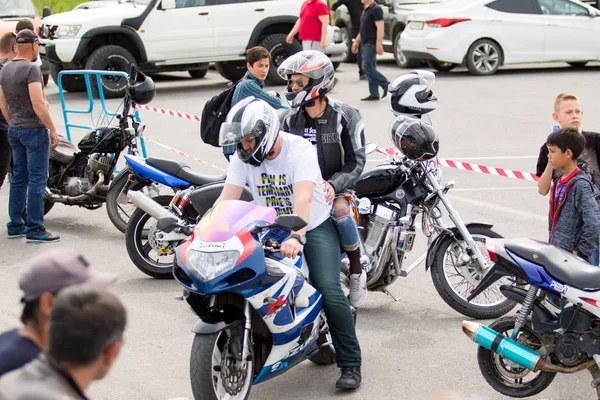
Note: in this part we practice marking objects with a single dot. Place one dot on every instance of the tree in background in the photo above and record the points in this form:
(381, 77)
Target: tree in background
(57, 6)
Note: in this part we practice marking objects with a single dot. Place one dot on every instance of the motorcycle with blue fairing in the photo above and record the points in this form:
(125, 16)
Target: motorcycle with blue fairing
(258, 313)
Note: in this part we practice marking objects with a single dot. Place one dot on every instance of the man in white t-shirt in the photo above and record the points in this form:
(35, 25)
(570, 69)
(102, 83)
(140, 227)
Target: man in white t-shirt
(282, 171)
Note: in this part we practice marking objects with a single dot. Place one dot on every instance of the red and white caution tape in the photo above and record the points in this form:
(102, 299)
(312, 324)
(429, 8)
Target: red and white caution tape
(183, 154)
(482, 169)
(178, 114)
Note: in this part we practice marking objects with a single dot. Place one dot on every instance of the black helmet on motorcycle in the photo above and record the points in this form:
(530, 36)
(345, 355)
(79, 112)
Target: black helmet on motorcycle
(314, 64)
(255, 119)
(142, 91)
(412, 94)
(415, 138)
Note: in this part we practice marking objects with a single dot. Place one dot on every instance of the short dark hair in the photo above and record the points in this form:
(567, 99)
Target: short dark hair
(7, 42)
(29, 312)
(83, 322)
(567, 138)
(257, 53)
(24, 24)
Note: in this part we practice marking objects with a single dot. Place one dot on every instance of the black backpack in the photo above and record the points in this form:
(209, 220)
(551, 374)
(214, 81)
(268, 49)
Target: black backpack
(214, 114)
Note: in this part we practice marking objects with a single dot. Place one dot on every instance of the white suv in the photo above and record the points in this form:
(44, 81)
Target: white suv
(172, 35)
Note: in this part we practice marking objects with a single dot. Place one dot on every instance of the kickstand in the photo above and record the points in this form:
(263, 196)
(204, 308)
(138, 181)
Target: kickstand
(595, 371)
(386, 291)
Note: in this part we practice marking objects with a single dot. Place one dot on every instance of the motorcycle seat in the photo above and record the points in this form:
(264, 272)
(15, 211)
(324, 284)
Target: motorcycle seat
(560, 264)
(183, 171)
(64, 152)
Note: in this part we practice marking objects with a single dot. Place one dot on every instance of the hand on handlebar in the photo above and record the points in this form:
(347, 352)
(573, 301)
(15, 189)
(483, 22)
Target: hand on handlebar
(290, 248)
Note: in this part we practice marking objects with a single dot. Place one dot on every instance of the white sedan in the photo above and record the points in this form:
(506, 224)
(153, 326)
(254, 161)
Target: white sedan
(485, 34)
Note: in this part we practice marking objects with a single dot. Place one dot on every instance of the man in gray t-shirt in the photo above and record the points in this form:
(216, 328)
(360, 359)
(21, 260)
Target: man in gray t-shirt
(24, 106)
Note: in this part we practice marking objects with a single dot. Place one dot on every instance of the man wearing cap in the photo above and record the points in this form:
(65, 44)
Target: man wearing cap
(86, 335)
(24, 106)
(47, 274)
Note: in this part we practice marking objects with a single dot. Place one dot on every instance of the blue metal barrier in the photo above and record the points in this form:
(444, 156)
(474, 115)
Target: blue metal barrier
(105, 113)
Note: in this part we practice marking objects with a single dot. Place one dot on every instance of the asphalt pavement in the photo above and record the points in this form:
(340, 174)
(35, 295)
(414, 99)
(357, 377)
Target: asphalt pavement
(412, 348)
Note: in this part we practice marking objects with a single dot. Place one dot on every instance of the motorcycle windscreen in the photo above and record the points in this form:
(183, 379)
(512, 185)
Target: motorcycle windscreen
(229, 217)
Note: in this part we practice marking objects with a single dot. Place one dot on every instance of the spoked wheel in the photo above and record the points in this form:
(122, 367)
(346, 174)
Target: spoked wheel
(150, 249)
(505, 376)
(455, 275)
(217, 374)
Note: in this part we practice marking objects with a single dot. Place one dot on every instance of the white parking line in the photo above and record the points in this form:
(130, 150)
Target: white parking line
(499, 209)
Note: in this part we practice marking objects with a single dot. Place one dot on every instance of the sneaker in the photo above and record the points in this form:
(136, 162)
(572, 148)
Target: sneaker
(362, 77)
(370, 98)
(349, 379)
(42, 236)
(358, 289)
(20, 233)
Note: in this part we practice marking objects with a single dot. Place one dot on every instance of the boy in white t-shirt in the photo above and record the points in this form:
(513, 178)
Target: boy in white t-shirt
(283, 172)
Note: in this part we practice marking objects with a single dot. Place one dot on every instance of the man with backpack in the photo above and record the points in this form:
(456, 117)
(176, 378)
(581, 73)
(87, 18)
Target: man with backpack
(252, 84)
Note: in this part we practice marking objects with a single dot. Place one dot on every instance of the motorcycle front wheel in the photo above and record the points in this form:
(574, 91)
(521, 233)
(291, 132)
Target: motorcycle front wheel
(505, 376)
(454, 280)
(215, 373)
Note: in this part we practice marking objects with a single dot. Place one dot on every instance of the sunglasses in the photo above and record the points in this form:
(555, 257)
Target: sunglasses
(298, 82)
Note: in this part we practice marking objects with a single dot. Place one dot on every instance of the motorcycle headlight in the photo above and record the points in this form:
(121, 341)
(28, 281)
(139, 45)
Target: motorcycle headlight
(207, 266)
(67, 30)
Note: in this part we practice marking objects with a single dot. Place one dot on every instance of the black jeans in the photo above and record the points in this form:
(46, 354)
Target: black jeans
(322, 251)
(5, 155)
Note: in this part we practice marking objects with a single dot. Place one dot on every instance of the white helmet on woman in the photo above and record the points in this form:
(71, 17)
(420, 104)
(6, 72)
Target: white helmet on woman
(412, 93)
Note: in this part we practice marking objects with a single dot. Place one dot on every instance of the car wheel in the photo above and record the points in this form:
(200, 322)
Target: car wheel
(110, 58)
(401, 60)
(46, 78)
(231, 70)
(280, 50)
(70, 83)
(577, 64)
(441, 66)
(199, 73)
(484, 57)
(347, 38)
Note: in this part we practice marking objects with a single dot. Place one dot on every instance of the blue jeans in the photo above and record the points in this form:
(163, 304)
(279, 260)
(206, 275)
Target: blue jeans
(30, 151)
(596, 257)
(369, 61)
(322, 252)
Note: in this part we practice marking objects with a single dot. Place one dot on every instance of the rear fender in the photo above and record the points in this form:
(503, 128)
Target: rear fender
(452, 233)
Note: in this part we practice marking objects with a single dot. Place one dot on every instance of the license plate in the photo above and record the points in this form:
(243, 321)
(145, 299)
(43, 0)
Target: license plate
(416, 25)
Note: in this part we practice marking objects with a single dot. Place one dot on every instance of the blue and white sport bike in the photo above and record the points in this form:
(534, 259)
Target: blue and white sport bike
(258, 314)
(557, 329)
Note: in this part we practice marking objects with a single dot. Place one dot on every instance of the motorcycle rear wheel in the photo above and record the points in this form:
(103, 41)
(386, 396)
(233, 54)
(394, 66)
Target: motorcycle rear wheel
(469, 276)
(137, 240)
(207, 355)
(507, 377)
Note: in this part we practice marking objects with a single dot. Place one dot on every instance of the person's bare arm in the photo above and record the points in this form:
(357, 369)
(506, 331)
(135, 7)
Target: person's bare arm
(40, 107)
(356, 44)
(230, 192)
(324, 26)
(293, 32)
(4, 106)
(379, 40)
(545, 180)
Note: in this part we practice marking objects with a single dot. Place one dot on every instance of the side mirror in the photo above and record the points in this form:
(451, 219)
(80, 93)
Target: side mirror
(370, 147)
(291, 222)
(167, 4)
(46, 12)
(166, 224)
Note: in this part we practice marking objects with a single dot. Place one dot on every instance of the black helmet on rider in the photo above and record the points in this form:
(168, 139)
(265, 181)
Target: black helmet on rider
(143, 90)
(412, 94)
(251, 121)
(415, 138)
(314, 64)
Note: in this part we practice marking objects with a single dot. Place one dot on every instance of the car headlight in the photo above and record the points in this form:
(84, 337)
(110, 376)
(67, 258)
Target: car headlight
(207, 266)
(67, 30)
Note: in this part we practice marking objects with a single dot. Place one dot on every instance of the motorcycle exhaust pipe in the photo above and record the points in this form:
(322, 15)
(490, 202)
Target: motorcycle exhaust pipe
(514, 351)
(151, 207)
(74, 200)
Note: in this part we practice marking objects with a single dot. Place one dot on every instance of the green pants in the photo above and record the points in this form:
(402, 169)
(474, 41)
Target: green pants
(322, 252)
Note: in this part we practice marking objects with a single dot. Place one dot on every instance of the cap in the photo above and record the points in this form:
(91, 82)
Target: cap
(57, 269)
(26, 36)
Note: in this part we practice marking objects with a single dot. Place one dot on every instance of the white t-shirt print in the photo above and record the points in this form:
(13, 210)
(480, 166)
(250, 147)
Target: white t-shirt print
(271, 183)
